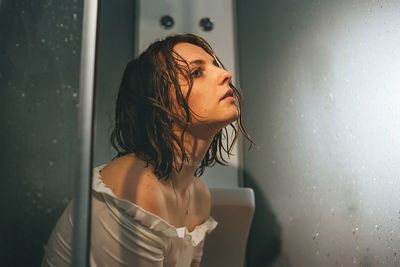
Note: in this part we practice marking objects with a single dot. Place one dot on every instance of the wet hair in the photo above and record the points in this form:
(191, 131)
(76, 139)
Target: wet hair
(146, 109)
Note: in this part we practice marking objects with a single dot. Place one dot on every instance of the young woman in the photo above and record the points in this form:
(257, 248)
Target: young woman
(149, 208)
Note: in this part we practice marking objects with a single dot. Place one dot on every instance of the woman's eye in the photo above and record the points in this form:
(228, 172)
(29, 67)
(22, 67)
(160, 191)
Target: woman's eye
(197, 73)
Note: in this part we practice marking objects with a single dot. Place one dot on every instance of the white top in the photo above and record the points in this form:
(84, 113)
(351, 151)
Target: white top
(124, 234)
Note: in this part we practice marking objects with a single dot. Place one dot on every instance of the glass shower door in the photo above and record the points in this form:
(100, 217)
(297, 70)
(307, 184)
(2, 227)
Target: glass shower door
(40, 44)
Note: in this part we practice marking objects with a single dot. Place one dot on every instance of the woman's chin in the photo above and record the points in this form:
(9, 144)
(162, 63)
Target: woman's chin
(231, 119)
(234, 116)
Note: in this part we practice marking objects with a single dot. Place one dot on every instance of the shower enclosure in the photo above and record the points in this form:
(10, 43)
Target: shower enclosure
(320, 81)
(47, 95)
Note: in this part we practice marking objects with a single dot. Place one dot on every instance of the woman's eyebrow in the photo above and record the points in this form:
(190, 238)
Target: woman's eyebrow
(202, 62)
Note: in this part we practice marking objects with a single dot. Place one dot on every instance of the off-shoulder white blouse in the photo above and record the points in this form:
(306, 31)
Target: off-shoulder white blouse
(124, 234)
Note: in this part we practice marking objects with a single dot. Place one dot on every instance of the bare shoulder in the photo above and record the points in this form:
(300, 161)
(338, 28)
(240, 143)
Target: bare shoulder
(202, 189)
(130, 179)
(203, 198)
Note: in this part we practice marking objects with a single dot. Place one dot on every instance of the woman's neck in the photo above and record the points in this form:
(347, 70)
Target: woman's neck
(196, 149)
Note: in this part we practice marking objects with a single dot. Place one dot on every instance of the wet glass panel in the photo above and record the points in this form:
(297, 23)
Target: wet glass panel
(322, 101)
(39, 76)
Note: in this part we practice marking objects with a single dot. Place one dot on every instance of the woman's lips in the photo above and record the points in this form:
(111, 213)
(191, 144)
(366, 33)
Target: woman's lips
(228, 94)
(231, 98)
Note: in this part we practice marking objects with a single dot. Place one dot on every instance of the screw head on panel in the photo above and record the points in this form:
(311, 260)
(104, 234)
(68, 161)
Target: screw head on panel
(206, 24)
(167, 22)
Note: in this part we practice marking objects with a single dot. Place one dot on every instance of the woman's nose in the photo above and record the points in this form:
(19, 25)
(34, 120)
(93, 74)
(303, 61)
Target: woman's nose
(225, 77)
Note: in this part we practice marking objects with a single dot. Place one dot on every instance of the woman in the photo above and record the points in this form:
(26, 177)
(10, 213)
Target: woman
(149, 208)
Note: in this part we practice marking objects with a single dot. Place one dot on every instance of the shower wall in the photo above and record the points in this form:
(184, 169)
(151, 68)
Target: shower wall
(321, 82)
(115, 48)
(39, 75)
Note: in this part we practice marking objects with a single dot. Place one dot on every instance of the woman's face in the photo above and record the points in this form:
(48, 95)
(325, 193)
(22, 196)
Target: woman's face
(210, 85)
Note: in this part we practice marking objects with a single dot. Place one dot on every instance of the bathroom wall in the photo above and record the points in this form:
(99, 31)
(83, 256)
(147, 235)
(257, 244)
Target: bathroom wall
(39, 76)
(322, 91)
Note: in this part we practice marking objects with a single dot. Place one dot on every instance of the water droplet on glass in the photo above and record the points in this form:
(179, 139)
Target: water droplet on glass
(74, 94)
(43, 40)
(23, 94)
(39, 194)
(55, 141)
(75, 16)
(315, 236)
(51, 163)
